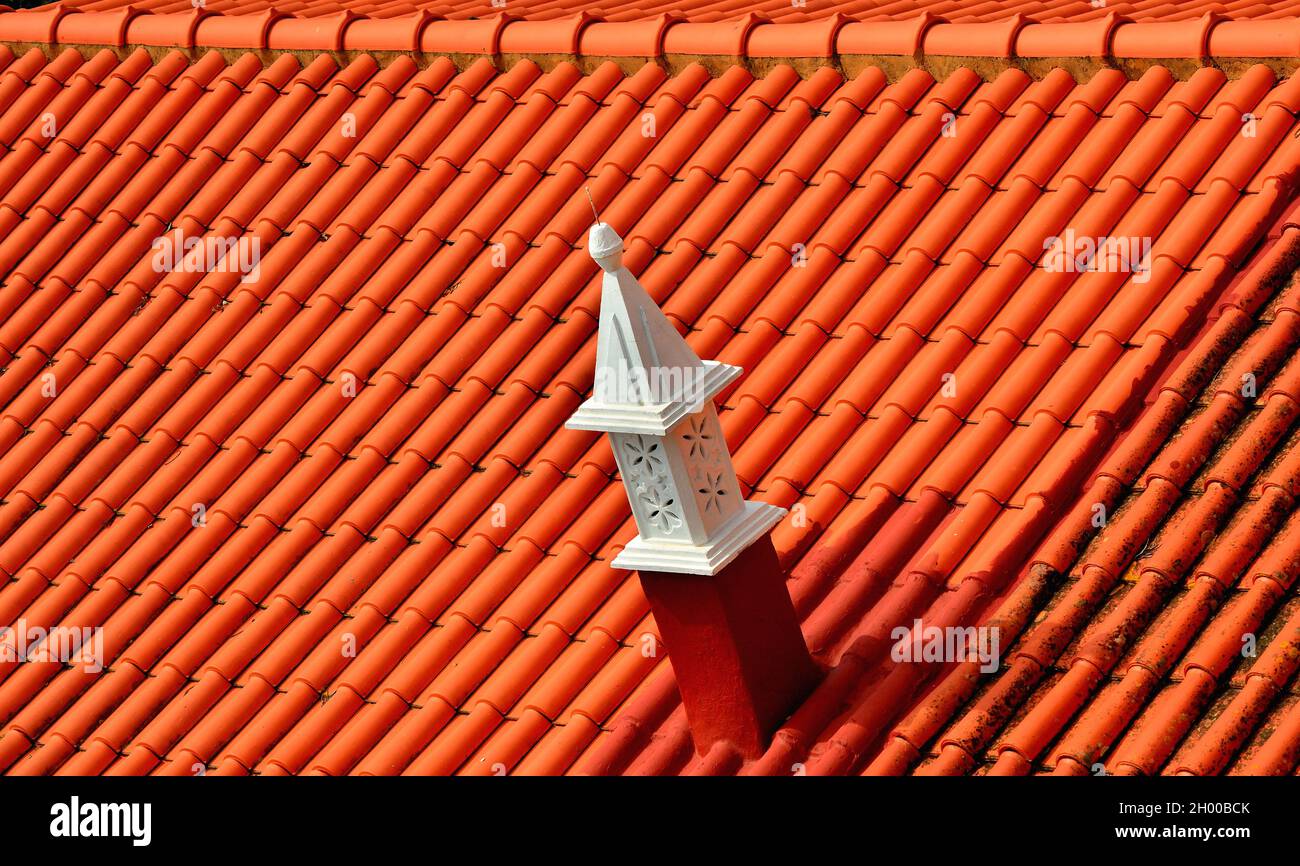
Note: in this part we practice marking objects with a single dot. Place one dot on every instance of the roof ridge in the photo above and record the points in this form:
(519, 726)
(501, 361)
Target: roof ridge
(925, 38)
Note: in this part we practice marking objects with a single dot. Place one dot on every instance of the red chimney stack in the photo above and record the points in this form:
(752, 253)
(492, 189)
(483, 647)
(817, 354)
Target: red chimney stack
(735, 646)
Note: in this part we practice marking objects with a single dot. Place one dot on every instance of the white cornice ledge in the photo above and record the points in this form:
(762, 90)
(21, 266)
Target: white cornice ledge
(654, 419)
(655, 554)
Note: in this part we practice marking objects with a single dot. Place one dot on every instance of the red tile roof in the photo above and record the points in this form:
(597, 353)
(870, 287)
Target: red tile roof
(1170, 644)
(848, 241)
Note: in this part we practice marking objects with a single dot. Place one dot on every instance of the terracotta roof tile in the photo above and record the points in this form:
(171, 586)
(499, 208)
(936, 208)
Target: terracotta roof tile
(1164, 646)
(331, 521)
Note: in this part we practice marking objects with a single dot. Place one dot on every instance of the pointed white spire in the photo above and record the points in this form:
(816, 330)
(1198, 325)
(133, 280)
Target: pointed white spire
(654, 397)
(647, 377)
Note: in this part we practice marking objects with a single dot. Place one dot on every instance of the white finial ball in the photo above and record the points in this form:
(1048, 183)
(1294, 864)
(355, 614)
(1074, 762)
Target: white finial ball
(606, 247)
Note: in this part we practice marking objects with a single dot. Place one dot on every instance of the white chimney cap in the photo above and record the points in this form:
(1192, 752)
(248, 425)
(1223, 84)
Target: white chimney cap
(647, 377)
(605, 246)
(654, 397)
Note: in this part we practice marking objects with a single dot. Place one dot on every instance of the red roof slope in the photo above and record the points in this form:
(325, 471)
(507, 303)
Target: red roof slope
(1171, 645)
(720, 10)
(826, 235)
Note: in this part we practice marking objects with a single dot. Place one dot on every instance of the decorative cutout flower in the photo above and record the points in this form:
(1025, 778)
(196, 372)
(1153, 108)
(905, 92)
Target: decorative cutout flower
(699, 438)
(645, 455)
(713, 491)
(660, 509)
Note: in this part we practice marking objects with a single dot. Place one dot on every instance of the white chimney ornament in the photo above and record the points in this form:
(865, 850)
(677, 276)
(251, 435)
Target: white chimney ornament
(653, 396)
